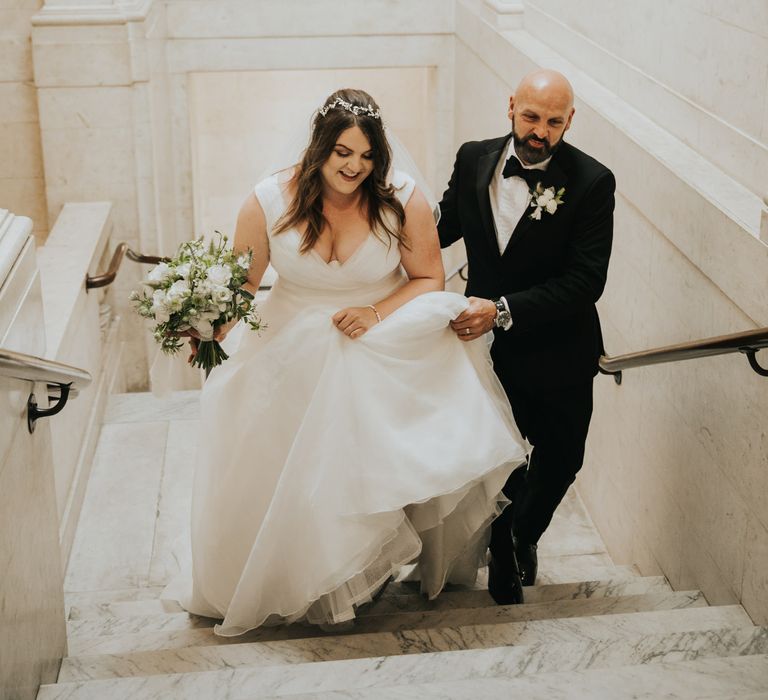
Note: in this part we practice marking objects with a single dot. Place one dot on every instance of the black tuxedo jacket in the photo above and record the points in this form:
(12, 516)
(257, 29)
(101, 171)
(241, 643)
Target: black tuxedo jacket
(552, 271)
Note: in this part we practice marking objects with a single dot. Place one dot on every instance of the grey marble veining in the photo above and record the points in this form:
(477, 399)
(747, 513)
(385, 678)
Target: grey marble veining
(200, 649)
(394, 622)
(505, 662)
(91, 600)
(405, 602)
(124, 608)
(703, 678)
(143, 407)
(113, 626)
(356, 675)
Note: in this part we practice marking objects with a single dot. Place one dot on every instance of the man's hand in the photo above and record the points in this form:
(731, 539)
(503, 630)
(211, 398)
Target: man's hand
(478, 319)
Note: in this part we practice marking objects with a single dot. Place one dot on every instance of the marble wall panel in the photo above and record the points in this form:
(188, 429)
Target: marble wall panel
(33, 632)
(702, 69)
(22, 187)
(192, 55)
(81, 56)
(32, 627)
(321, 17)
(232, 149)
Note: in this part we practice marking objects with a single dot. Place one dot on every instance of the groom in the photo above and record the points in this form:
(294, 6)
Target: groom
(536, 215)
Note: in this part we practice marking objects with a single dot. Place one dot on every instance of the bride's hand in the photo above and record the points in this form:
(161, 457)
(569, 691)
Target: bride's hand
(219, 334)
(355, 321)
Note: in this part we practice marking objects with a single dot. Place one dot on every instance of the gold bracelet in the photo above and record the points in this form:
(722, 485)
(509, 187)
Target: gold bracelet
(371, 306)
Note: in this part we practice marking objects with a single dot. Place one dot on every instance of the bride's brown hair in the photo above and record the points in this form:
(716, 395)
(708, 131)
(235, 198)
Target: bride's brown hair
(378, 197)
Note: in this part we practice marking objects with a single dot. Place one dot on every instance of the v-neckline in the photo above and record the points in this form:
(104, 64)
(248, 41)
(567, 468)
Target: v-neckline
(339, 263)
(320, 258)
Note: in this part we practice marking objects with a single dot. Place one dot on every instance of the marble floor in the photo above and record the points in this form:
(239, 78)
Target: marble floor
(588, 629)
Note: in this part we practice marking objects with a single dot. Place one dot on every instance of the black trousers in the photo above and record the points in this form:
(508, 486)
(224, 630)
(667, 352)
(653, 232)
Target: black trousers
(555, 421)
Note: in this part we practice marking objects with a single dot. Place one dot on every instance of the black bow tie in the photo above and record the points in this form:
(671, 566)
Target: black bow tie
(513, 167)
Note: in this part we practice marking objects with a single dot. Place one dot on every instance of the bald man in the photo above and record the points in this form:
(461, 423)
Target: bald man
(536, 215)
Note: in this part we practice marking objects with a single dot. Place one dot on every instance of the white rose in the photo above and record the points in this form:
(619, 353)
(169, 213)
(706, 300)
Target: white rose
(545, 197)
(203, 287)
(551, 206)
(221, 295)
(219, 275)
(159, 273)
(184, 269)
(160, 307)
(179, 289)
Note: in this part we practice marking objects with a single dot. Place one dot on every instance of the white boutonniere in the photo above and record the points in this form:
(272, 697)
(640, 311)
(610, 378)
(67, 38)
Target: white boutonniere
(545, 199)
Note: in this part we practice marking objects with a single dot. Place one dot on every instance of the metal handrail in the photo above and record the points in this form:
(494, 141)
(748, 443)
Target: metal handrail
(459, 270)
(121, 251)
(65, 379)
(747, 342)
(19, 365)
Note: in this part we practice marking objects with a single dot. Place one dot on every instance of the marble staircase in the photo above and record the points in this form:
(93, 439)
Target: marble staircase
(589, 629)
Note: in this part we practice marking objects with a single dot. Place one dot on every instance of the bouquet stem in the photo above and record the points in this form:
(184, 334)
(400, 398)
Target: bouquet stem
(209, 354)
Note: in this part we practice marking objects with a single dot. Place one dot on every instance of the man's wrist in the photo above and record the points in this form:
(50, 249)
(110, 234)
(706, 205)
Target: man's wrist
(503, 317)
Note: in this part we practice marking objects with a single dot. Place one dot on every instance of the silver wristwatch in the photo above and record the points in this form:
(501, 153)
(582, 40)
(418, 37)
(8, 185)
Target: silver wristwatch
(503, 316)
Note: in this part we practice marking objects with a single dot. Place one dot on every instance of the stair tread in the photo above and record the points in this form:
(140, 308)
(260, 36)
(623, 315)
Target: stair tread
(396, 621)
(441, 667)
(150, 653)
(508, 661)
(410, 600)
(701, 678)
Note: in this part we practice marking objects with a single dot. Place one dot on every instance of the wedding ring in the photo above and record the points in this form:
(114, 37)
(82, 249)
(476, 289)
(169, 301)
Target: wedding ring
(467, 331)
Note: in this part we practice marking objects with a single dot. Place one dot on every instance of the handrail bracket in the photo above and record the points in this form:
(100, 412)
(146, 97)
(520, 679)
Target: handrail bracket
(34, 413)
(751, 354)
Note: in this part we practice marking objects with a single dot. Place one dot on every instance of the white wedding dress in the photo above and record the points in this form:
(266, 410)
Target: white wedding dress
(325, 463)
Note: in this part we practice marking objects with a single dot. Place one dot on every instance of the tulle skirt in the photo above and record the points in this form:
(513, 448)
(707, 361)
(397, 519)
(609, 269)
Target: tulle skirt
(325, 464)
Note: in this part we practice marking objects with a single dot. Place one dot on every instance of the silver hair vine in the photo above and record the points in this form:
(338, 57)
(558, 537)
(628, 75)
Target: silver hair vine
(367, 111)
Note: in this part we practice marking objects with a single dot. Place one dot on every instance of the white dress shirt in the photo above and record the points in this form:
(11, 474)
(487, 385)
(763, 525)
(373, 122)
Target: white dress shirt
(510, 198)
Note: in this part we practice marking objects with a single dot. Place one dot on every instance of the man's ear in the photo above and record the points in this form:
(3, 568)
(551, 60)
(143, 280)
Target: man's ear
(511, 109)
(570, 119)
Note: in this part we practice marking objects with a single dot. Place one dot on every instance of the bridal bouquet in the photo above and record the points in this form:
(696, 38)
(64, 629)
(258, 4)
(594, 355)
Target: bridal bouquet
(201, 289)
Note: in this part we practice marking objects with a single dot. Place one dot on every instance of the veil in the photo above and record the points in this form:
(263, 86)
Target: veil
(292, 150)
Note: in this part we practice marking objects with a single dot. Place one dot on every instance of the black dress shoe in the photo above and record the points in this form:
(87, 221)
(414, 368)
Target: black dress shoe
(504, 583)
(527, 561)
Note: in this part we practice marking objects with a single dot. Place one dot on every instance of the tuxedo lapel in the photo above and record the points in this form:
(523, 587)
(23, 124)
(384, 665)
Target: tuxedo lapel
(485, 168)
(553, 176)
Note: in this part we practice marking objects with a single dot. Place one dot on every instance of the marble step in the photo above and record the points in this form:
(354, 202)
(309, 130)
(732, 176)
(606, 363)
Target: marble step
(357, 674)
(411, 601)
(178, 622)
(702, 678)
(194, 650)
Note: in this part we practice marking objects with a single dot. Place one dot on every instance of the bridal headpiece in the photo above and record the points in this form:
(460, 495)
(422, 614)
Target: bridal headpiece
(357, 110)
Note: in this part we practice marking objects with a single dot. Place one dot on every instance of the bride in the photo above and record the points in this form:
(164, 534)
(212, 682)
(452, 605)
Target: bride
(356, 434)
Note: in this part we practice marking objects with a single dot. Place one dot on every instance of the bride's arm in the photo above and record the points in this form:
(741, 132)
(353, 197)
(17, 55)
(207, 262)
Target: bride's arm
(251, 232)
(422, 263)
(421, 259)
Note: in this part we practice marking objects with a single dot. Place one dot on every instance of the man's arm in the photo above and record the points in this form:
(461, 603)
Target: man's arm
(449, 227)
(586, 267)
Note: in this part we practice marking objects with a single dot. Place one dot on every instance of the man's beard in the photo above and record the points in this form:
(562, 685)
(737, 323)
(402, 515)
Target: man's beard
(528, 153)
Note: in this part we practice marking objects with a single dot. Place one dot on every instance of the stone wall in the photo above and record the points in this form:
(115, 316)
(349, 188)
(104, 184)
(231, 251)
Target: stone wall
(698, 68)
(22, 186)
